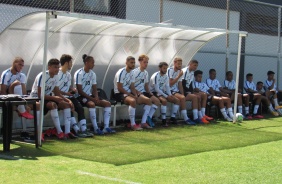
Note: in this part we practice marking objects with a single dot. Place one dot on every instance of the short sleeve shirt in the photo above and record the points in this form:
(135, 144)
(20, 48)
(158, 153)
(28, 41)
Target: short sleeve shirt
(86, 79)
(249, 85)
(201, 86)
(214, 84)
(124, 77)
(172, 75)
(7, 77)
(229, 84)
(188, 76)
(64, 81)
(268, 83)
(140, 79)
(162, 81)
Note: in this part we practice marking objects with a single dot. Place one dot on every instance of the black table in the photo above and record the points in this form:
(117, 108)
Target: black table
(7, 112)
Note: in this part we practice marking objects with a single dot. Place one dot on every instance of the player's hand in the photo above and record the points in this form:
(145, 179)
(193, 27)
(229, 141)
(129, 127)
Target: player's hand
(58, 99)
(180, 73)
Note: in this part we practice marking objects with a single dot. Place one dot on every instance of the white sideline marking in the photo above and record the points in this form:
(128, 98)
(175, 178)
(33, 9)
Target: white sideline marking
(105, 177)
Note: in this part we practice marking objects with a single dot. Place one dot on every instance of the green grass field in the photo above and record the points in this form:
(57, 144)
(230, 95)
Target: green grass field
(221, 152)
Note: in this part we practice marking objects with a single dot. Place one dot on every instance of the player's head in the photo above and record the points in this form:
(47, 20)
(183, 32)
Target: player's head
(53, 66)
(212, 74)
(270, 75)
(193, 65)
(143, 60)
(163, 67)
(18, 64)
(177, 63)
(249, 77)
(229, 75)
(130, 62)
(88, 61)
(198, 74)
(66, 60)
(259, 85)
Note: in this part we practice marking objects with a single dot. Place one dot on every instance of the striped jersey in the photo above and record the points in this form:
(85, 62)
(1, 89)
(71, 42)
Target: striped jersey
(229, 84)
(87, 80)
(140, 79)
(172, 75)
(201, 86)
(64, 81)
(124, 77)
(160, 84)
(268, 83)
(249, 85)
(188, 76)
(7, 77)
(213, 84)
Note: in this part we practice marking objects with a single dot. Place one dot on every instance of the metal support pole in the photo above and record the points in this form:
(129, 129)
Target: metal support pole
(227, 34)
(161, 10)
(237, 75)
(71, 5)
(279, 48)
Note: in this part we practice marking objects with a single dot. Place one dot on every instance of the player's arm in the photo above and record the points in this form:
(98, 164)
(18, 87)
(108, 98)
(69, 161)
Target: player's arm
(95, 91)
(172, 81)
(272, 85)
(180, 87)
(147, 89)
(3, 89)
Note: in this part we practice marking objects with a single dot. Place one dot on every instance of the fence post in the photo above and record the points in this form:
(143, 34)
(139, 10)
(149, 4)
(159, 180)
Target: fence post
(278, 47)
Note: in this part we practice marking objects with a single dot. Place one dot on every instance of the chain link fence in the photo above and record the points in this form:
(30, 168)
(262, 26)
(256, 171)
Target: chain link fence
(261, 49)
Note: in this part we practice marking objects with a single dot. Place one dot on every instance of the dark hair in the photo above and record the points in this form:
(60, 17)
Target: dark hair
(197, 72)
(65, 58)
(211, 70)
(270, 72)
(162, 64)
(259, 82)
(17, 59)
(193, 61)
(53, 61)
(86, 58)
(249, 75)
(227, 73)
(130, 58)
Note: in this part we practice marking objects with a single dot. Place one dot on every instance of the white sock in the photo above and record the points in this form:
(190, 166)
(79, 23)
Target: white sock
(247, 110)
(256, 109)
(223, 112)
(131, 112)
(184, 114)
(175, 108)
(152, 110)
(74, 124)
(18, 90)
(275, 102)
(92, 112)
(230, 112)
(163, 111)
(200, 114)
(107, 116)
(67, 117)
(203, 110)
(240, 109)
(56, 120)
(195, 113)
(82, 125)
(146, 113)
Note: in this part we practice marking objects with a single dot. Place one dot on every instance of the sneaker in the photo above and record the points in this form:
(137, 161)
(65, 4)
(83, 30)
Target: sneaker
(145, 125)
(257, 116)
(198, 121)
(109, 131)
(26, 115)
(164, 123)
(205, 121)
(150, 121)
(208, 118)
(228, 119)
(61, 135)
(87, 133)
(98, 132)
(136, 127)
(274, 113)
(249, 117)
(70, 136)
(190, 122)
(79, 134)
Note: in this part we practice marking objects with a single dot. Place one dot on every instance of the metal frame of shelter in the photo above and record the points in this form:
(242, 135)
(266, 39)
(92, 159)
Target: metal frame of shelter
(150, 37)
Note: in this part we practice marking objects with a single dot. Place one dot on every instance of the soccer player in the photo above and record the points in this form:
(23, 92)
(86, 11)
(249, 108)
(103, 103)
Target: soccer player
(175, 81)
(56, 101)
(272, 90)
(187, 80)
(229, 86)
(199, 86)
(251, 89)
(141, 85)
(86, 84)
(217, 90)
(159, 86)
(68, 92)
(125, 92)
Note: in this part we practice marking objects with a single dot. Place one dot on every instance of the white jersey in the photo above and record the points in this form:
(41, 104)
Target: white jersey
(7, 78)
(268, 83)
(141, 78)
(64, 81)
(160, 84)
(201, 86)
(188, 76)
(249, 85)
(229, 84)
(50, 84)
(87, 80)
(213, 84)
(172, 75)
(124, 77)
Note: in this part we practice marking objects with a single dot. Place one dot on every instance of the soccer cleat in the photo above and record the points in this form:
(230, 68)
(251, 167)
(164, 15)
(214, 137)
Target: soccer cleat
(87, 133)
(190, 122)
(61, 135)
(80, 134)
(208, 118)
(198, 121)
(150, 121)
(164, 123)
(26, 115)
(257, 116)
(249, 117)
(98, 132)
(136, 127)
(274, 113)
(145, 125)
(205, 121)
(70, 136)
(108, 131)
(228, 119)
